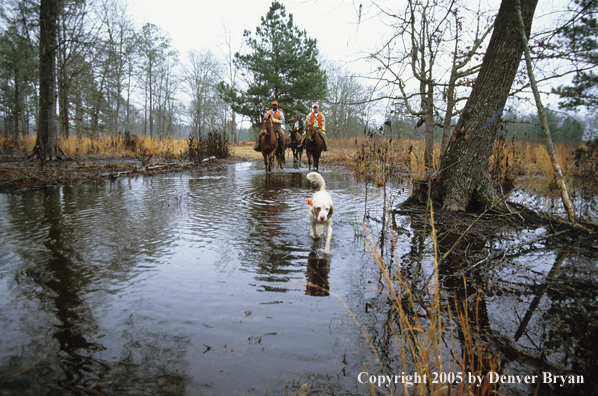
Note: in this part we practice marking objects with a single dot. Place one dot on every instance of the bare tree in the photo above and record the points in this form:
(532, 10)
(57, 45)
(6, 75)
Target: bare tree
(231, 74)
(558, 174)
(427, 46)
(201, 76)
(46, 145)
(77, 49)
(121, 55)
(347, 105)
(153, 46)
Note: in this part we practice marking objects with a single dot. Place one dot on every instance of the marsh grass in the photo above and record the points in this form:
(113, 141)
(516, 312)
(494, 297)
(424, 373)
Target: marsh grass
(213, 145)
(434, 334)
(371, 157)
(439, 344)
(505, 165)
(375, 158)
(21, 145)
(510, 161)
(123, 146)
(117, 146)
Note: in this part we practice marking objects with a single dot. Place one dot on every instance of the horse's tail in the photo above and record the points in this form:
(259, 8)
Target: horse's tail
(317, 180)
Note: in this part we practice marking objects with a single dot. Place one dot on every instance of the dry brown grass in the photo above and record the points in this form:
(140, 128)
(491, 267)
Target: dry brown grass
(442, 339)
(538, 163)
(21, 145)
(245, 150)
(377, 158)
(121, 147)
(107, 146)
(363, 155)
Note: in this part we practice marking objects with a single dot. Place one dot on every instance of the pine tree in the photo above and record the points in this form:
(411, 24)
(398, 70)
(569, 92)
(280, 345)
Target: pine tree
(581, 36)
(282, 65)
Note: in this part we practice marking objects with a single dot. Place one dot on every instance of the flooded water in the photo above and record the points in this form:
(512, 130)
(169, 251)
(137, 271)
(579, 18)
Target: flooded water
(208, 283)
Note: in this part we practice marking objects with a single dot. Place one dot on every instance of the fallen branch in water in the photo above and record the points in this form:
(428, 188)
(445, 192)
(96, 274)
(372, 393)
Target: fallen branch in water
(504, 251)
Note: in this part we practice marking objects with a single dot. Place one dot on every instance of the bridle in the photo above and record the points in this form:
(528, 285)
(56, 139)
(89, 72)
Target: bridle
(312, 136)
(266, 130)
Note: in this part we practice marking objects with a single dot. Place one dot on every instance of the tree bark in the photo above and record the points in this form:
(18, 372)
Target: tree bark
(428, 109)
(151, 104)
(46, 145)
(79, 126)
(18, 109)
(63, 86)
(63, 105)
(97, 104)
(463, 181)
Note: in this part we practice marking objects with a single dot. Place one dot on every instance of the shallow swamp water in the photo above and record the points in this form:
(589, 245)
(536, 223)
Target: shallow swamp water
(207, 283)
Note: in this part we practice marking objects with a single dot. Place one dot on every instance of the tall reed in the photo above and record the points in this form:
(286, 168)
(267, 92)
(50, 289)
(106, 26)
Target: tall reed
(438, 340)
(441, 345)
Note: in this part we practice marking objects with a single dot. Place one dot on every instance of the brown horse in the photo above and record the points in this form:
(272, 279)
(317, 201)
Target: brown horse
(313, 145)
(268, 142)
(294, 142)
(282, 148)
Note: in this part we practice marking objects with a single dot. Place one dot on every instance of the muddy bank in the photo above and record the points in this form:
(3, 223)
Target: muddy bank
(21, 174)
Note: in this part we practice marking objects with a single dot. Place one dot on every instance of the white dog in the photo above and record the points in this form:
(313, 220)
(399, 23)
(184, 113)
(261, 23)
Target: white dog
(321, 209)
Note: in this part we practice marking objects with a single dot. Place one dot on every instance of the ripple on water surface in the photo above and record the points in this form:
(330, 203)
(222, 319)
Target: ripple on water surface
(202, 277)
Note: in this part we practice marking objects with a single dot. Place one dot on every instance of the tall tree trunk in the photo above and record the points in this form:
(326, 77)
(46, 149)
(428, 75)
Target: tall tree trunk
(127, 126)
(151, 103)
(17, 104)
(78, 114)
(450, 106)
(233, 127)
(463, 181)
(95, 116)
(46, 145)
(428, 108)
(25, 120)
(63, 105)
(118, 105)
(63, 86)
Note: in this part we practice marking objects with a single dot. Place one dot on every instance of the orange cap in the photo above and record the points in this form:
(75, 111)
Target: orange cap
(275, 103)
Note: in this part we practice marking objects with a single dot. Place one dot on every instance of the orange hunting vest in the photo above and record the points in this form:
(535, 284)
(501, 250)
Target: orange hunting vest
(276, 115)
(319, 118)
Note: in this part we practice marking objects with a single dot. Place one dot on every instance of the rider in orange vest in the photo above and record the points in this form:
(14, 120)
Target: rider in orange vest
(278, 121)
(320, 123)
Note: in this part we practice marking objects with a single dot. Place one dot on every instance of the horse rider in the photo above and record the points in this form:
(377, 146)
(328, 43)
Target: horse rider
(277, 117)
(316, 118)
(298, 124)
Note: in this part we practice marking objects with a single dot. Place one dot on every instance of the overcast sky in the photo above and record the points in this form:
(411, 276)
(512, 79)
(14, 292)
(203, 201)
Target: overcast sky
(193, 24)
(346, 30)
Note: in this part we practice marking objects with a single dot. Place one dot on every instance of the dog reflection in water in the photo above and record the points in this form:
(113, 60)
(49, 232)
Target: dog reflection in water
(317, 275)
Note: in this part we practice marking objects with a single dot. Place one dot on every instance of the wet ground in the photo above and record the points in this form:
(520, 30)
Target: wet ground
(20, 174)
(207, 283)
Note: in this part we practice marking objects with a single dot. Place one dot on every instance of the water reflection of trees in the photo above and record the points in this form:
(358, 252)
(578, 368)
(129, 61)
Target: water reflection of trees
(62, 356)
(559, 328)
(270, 246)
(563, 338)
